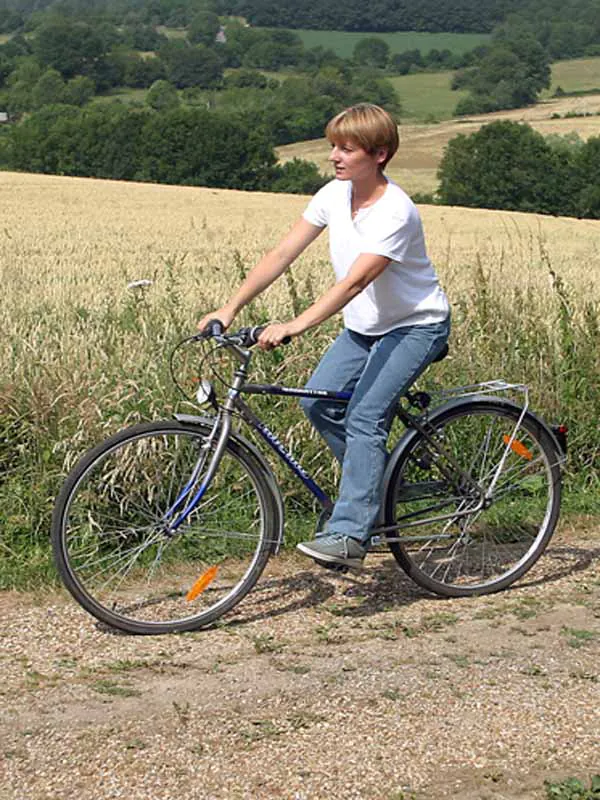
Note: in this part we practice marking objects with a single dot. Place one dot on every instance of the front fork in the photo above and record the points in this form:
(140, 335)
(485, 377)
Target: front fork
(187, 501)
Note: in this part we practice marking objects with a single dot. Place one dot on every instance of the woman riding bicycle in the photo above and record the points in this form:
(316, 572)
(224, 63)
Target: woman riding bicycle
(396, 316)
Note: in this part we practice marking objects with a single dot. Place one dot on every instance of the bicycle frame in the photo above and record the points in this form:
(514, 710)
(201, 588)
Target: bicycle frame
(234, 404)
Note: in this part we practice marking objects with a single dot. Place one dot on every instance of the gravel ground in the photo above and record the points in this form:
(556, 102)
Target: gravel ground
(316, 686)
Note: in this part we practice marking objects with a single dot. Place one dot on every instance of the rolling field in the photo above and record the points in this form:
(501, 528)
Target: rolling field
(576, 75)
(426, 96)
(421, 146)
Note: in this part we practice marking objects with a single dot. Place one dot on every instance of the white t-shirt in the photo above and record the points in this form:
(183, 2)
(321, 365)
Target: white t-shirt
(407, 292)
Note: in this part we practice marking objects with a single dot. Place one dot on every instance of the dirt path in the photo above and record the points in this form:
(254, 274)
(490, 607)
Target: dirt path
(318, 687)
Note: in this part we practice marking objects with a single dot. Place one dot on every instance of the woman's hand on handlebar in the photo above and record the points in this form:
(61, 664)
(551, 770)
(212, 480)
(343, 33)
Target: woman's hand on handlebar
(224, 315)
(273, 335)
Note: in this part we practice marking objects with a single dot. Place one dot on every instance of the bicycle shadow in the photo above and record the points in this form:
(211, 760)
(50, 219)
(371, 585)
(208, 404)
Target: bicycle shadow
(384, 587)
(377, 587)
(390, 587)
(380, 587)
(580, 559)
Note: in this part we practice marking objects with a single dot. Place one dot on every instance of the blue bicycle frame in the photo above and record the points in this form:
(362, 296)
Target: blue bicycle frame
(272, 440)
(184, 504)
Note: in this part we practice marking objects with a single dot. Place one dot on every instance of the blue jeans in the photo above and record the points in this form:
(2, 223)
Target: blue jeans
(377, 370)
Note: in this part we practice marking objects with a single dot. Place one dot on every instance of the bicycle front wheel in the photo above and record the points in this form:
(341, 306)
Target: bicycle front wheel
(116, 548)
(476, 506)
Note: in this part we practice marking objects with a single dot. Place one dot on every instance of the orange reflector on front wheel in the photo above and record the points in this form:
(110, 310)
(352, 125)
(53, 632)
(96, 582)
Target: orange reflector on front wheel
(519, 448)
(203, 581)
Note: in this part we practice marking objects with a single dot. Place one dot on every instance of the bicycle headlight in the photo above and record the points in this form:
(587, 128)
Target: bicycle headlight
(205, 392)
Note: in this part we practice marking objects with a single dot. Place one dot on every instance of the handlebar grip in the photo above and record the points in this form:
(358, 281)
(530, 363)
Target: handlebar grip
(214, 327)
(256, 331)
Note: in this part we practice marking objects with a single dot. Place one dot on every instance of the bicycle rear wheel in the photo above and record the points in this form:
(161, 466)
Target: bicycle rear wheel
(453, 542)
(111, 538)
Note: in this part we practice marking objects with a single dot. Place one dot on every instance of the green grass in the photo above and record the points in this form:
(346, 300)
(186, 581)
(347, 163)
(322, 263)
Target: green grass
(573, 789)
(172, 33)
(426, 96)
(114, 689)
(124, 94)
(343, 42)
(577, 75)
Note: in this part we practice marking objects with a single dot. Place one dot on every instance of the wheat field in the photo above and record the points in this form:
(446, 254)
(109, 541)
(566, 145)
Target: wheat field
(82, 355)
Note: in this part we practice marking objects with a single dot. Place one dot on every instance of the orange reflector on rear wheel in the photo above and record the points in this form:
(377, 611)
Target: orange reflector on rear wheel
(203, 581)
(519, 448)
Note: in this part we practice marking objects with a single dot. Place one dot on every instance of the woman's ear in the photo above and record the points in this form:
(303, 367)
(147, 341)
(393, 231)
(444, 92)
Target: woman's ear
(382, 154)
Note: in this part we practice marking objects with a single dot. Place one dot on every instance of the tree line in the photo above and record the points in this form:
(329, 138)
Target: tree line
(98, 139)
(187, 146)
(456, 16)
(566, 29)
(353, 15)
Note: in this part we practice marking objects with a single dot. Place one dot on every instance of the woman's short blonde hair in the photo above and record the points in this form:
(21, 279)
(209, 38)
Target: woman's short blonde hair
(367, 125)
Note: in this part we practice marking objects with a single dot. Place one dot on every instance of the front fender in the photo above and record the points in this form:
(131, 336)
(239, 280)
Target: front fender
(254, 453)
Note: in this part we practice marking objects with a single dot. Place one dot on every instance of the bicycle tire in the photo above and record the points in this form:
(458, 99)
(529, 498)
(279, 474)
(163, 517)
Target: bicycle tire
(474, 552)
(109, 536)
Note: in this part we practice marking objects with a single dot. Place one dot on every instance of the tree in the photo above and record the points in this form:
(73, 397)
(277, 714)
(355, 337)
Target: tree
(368, 87)
(162, 96)
(141, 73)
(20, 84)
(203, 28)
(371, 51)
(588, 167)
(34, 145)
(144, 37)
(49, 89)
(70, 47)
(297, 177)
(194, 66)
(206, 148)
(504, 165)
(10, 20)
(406, 62)
(246, 78)
(79, 90)
(273, 50)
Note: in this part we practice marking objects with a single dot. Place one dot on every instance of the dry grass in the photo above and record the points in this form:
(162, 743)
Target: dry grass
(68, 248)
(72, 240)
(67, 243)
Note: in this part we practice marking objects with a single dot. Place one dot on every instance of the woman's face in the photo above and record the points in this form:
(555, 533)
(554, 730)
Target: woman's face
(351, 162)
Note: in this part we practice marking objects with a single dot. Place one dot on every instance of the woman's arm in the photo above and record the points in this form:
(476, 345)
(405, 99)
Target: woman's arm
(365, 269)
(268, 269)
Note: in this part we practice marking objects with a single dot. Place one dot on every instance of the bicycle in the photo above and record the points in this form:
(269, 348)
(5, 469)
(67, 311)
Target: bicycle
(166, 526)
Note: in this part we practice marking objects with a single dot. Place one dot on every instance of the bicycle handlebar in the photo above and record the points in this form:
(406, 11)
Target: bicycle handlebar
(246, 337)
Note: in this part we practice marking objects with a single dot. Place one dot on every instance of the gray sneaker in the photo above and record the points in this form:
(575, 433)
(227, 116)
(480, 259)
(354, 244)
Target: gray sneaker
(335, 549)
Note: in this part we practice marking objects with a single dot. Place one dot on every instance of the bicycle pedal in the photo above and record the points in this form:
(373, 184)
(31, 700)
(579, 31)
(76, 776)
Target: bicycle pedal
(342, 568)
